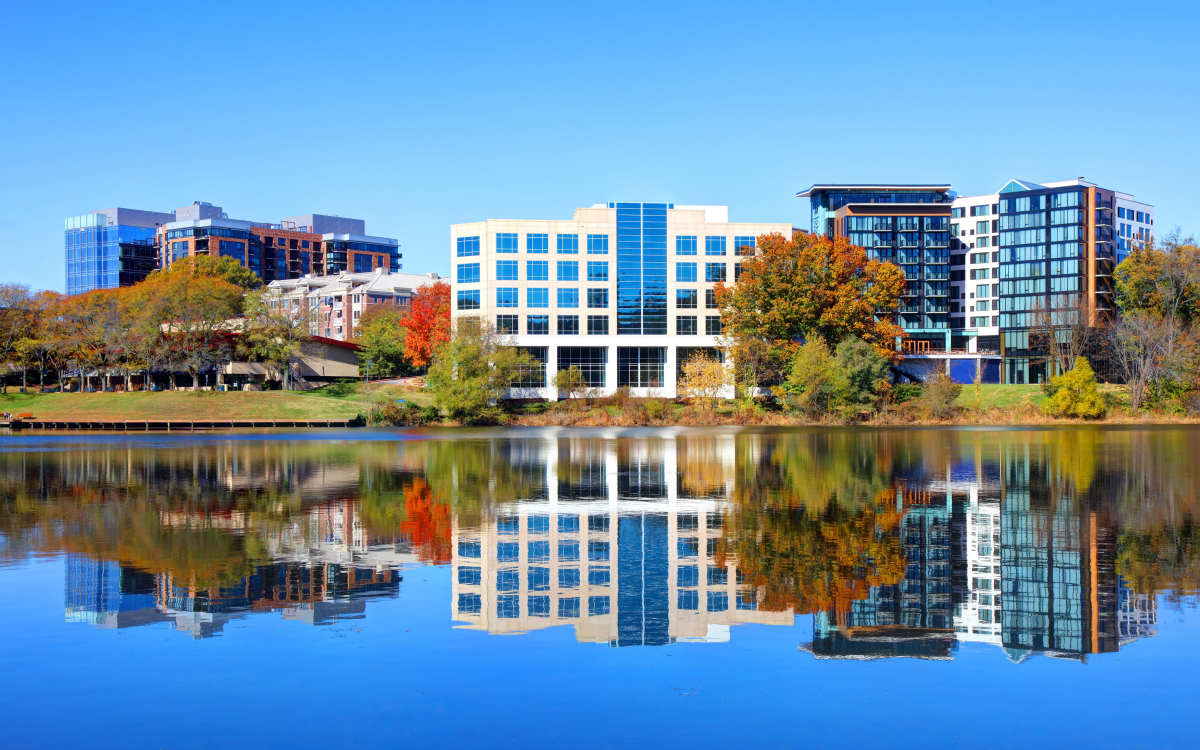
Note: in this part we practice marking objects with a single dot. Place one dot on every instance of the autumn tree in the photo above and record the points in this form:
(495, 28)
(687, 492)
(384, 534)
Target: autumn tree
(704, 380)
(221, 267)
(273, 337)
(380, 335)
(809, 285)
(427, 324)
(17, 320)
(36, 348)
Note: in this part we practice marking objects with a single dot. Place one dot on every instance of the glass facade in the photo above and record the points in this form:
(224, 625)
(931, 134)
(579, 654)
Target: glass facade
(99, 256)
(641, 268)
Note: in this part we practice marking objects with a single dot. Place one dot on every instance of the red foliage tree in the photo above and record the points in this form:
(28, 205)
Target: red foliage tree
(427, 323)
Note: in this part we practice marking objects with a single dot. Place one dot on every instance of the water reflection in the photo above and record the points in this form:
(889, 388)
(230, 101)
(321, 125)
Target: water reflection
(908, 543)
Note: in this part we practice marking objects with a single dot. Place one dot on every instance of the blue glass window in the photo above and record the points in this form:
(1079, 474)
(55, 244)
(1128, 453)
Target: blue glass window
(537, 270)
(687, 575)
(468, 300)
(568, 298)
(714, 272)
(508, 579)
(508, 551)
(508, 606)
(597, 605)
(685, 244)
(468, 273)
(687, 547)
(568, 578)
(537, 297)
(506, 242)
(538, 523)
(468, 247)
(641, 268)
(747, 600)
(508, 525)
(506, 270)
(744, 245)
(718, 601)
(597, 270)
(568, 270)
(568, 606)
(469, 549)
(685, 272)
(469, 604)
(539, 606)
(689, 599)
(539, 551)
(714, 245)
(568, 243)
(537, 243)
(568, 523)
(538, 578)
(568, 551)
(599, 576)
(717, 576)
(537, 325)
(506, 296)
(597, 551)
(597, 244)
(598, 299)
(686, 299)
(568, 325)
(469, 574)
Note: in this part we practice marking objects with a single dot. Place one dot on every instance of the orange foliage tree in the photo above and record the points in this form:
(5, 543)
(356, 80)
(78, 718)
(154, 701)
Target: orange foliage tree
(427, 323)
(808, 285)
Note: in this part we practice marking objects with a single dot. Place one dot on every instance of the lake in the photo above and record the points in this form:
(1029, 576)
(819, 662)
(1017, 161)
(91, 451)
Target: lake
(600, 588)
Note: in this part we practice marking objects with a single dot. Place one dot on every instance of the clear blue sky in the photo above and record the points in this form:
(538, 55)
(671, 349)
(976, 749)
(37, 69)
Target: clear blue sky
(415, 116)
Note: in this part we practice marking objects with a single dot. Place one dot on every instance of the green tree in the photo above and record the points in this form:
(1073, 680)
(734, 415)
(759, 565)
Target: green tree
(812, 380)
(470, 373)
(380, 334)
(862, 379)
(938, 395)
(273, 337)
(571, 382)
(809, 285)
(1075, 393)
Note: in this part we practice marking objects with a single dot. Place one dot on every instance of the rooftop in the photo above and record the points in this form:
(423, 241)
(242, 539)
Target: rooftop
(903, 187)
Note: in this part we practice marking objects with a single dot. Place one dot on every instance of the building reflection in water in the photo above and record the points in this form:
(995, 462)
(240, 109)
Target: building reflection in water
(618, 541)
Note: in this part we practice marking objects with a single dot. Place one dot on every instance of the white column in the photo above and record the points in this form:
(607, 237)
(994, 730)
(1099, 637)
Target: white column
(551, 370)
(610, 370)
(670, 385)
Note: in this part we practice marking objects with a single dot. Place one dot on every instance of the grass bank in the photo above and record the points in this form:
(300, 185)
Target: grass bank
(342, 401)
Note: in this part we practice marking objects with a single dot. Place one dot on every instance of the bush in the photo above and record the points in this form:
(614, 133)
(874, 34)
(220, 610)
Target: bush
(938, 396)
(1075, 393)
(811, 382)
(656, 409)
(861, 379)
(902, 392)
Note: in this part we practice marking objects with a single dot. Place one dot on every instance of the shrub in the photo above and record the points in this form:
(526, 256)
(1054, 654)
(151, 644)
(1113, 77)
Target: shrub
(811, 382)
(938, 396)
(1075, 393)
(902, 392)
(656, 409)
(860, 380)
(704, 380)
(408, 415)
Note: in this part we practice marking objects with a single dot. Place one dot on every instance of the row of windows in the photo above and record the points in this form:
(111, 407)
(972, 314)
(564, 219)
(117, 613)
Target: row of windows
(508, 606)
(535, 270)
(597, 244)
(1132, 215)
(713, 272)
(597, 325)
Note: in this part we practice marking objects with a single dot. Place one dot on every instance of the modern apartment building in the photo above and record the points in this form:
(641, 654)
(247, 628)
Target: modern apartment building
(623, 291)
(334, 304)
(121, 246)
(110, 248)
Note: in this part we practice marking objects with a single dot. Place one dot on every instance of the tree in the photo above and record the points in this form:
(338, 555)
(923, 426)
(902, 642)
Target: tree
(810, 285)
(1161, 280)
(427, 324)
(862, 378)
(222, 267)
(16, 323)
(938, 396)
(705, 379)
(471, 372)
(273, 337)
(380, 334)
(1148, 349)
(571, 382)
(811, 383)
(1075, 393)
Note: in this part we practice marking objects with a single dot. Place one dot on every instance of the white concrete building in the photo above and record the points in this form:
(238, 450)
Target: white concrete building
(623, 291)
(335, 303)
(975, 274)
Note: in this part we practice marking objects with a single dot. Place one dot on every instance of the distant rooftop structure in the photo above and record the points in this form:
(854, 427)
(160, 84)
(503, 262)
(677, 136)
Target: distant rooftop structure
(937, 187)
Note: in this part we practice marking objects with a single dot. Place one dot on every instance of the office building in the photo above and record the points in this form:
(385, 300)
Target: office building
(623, 291)
(110, 248)
(334, 304)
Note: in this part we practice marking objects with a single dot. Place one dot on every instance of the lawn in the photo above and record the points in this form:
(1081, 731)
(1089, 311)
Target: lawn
(330, 402)
(1011, 396)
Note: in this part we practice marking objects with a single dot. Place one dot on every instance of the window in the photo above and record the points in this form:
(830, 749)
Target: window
(539, 606)
(568, 298)
(568, 270)
(568, 607)
(508, 606)
(506, 270)
(686, 522)
(508, 551)
(537, 325)
(469, 549)
(508, 524)
(469, 604)
(568, 243)
(568, 578)
(506, 296)
(537, 243)
(689, 599)
(506, 242)
(718, 601)
(685, 325)
(469, 575)
(468, 273)
(597, 244)
(597, 270)
(687, 575)
(538, 579)
(597, 605)
(685, 245)
(712, 325)
(467, 246)
(714, 272)
(535, 270)
(685, 299)
(599, 575)
(468, 300)
(506, 324)
(539, 551)
(568, 523)
(568, 552)
(568, 325)
(597, 325)
(717, 576)
(537, 297)
(714, 245)
(685, 272)
(687, 547)
(744, 245)
(598, 299)
(597, 551)
(597, 522)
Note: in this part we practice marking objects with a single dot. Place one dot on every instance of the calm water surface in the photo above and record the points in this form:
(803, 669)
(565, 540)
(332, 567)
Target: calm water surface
(586, 589)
